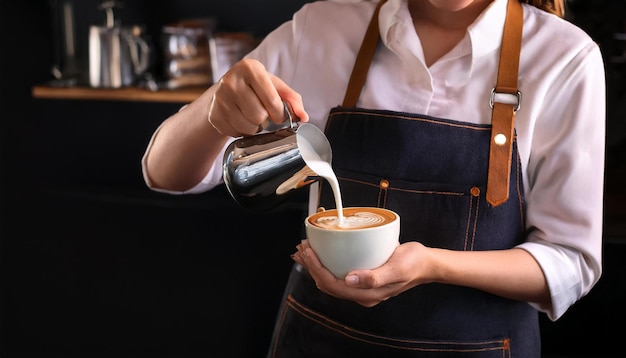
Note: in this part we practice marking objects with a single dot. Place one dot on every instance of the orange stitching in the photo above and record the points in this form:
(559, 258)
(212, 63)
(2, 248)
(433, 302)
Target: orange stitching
(475, 222)
(469, 219)
(466, 126)
(382, 193)
(283, 314)
(318, 318)
(404, 190)
(357, 181)
(429, 192)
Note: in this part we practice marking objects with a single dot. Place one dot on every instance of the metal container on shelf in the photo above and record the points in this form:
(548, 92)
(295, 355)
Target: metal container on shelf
(187, 53)
(67, 67)
(118, 55)
(228, 48)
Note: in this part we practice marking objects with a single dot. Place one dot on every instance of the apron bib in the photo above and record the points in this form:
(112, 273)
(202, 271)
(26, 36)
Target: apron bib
(439, 186)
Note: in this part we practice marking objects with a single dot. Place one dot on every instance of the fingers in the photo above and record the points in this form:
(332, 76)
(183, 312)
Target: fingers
(235, 108)
(305, 256)
(246, 96)
(385, 276)
(369, 279)
(287, 94)
(227, 119)
(365, 287)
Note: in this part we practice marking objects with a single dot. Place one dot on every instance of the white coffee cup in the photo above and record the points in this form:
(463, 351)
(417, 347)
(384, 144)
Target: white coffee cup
(367, 244)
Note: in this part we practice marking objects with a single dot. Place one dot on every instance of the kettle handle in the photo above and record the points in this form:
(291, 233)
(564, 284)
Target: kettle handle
(108, 7)
(140, 59)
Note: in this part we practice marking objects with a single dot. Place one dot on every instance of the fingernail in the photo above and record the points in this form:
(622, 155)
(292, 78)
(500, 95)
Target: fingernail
(352, 280)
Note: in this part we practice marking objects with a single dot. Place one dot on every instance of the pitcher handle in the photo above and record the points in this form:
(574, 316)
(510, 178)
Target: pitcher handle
(290, 122)
(141, 61)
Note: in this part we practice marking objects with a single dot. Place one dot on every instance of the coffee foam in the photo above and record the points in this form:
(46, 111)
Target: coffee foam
(354, 218)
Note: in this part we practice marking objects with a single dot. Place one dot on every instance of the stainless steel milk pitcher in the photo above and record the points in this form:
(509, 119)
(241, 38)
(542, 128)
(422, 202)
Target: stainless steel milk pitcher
(118, 55)
(264, 170)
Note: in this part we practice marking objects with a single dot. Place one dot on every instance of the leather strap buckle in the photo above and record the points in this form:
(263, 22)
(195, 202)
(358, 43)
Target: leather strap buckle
(517, 103)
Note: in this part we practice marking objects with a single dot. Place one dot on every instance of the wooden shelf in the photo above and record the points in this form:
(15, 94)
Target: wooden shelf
(182, 95)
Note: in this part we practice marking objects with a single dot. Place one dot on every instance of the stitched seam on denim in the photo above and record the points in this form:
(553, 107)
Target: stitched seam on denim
(358, 181)
(469, 222)
(405, 190)
(429, 192)
(466, 126)
(320, 319)
(475, 222)
(283, 314)
(382, 197)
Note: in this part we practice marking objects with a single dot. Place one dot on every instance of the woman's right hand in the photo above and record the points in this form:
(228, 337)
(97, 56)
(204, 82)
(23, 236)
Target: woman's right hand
(187, 146)
(246, 96)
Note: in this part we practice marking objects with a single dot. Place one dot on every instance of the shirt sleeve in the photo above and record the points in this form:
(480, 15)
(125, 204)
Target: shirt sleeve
(212, 179)
(274, 52)
(566, 182)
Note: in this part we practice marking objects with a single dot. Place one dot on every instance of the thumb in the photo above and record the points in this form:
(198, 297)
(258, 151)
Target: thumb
(375, 278)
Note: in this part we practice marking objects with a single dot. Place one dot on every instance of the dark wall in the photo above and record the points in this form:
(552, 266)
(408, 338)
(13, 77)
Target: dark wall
(95, 265)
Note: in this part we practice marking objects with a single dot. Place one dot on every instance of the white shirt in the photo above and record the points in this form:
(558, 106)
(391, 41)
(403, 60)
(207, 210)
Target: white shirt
(560, 125)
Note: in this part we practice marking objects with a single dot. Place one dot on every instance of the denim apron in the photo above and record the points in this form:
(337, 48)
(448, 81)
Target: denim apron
(434, 172)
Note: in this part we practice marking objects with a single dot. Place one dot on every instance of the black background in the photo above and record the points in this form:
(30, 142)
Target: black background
(95, 265)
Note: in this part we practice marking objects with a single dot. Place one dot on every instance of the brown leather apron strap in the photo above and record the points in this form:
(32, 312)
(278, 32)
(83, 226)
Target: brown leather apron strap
(363, 60)
(503, 114)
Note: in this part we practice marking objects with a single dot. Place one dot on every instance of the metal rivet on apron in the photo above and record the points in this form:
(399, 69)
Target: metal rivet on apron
(384, 184)
(320, 209)
(475, 191)
(500, 139)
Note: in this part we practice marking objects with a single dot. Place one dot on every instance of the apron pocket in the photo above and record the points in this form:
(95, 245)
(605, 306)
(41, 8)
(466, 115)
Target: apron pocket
(306, 333)
(435, 214)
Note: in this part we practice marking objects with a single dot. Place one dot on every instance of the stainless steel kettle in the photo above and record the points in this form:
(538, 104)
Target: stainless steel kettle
(118, 55)
(264, 170)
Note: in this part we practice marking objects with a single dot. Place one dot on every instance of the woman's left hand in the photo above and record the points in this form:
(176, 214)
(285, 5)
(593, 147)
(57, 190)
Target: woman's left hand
(406, 268)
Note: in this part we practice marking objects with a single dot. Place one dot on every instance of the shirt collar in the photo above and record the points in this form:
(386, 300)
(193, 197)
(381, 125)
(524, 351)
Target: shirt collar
(485, 34)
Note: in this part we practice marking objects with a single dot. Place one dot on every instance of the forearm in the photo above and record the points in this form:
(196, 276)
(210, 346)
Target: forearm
(512, 273)
(185, 147)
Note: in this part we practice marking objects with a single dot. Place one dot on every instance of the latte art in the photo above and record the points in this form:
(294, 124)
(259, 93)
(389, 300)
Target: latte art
(358, 220)
(354, 218)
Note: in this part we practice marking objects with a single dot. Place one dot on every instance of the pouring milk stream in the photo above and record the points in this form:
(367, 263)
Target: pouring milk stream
(262, 170)
(318, 158)
(321, 167)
